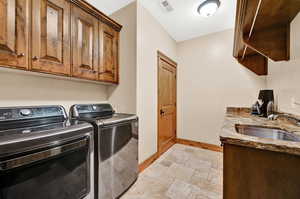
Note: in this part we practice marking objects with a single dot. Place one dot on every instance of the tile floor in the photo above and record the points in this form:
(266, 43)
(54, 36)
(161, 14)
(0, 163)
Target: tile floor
(182, 172)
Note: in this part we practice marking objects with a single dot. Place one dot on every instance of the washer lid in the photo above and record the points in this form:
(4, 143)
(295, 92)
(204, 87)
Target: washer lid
(91, 110)
(115, 118)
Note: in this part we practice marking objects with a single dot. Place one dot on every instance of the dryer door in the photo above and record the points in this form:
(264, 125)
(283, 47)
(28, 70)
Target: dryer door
(60, 171)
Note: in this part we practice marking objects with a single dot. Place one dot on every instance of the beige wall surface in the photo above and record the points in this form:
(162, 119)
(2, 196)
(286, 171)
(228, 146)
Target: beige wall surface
(209, 80)
(284, 77)
(123, 96)
(151, 37)
(18, 89)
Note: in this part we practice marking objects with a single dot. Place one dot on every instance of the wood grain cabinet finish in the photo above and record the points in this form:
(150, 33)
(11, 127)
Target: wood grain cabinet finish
(84, 44)
(109, 54)
(60, 37)
(262, 31)
(14, 30)
(51, 36)
(251, 173)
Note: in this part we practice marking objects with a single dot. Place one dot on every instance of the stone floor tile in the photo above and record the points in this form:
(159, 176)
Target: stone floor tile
(183, 172)
(199, 175)
(215, 176)
(198, 164)
(149, 186)
(160, 173)
(179, 190)
(180, 172)
(166, 163)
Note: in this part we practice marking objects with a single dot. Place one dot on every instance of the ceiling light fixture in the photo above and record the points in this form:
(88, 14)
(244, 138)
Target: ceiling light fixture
(208, 7)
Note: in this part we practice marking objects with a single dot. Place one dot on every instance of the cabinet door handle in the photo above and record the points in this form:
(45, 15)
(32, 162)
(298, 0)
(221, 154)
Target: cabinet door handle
(35, 58)
(21, 55)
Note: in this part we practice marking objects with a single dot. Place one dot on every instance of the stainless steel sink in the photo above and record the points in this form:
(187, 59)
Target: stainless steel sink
(266, 132)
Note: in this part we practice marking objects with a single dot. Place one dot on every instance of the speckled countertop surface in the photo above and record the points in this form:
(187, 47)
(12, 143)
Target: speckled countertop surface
(242, 116)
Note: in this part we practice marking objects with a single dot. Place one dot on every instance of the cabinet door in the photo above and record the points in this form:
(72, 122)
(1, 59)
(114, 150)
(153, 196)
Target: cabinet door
(14, 18)
(51, 36)
(109, 54)
(84, 44)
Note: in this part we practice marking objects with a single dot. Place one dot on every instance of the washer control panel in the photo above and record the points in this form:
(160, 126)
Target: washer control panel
(20, 113)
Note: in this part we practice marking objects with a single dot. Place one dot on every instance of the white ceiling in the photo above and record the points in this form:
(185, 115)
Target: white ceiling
(185, 23)
(109, 6)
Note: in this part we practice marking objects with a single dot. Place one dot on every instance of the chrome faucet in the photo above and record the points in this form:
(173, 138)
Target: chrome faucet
(284, 115)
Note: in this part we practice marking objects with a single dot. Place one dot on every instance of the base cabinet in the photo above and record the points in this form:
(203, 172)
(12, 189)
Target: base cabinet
(260, 174)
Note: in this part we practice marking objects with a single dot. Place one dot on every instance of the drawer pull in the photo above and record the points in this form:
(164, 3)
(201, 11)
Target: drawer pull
(35, 58)
(21, 55)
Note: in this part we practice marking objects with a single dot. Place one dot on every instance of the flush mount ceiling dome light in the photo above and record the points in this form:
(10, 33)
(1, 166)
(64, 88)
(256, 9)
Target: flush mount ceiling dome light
(209, 7)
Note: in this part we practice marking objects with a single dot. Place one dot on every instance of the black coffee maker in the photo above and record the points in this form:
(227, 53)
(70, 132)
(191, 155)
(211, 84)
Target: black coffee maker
(266, 98)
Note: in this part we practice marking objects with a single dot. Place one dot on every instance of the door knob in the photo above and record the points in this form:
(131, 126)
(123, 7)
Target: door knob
(162, 112)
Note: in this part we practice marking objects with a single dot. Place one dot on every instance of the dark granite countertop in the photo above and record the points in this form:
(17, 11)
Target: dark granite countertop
(242, 116)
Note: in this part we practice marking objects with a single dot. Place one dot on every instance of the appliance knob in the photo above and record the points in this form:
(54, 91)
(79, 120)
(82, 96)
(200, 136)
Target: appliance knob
(25, 112)
(94, 107)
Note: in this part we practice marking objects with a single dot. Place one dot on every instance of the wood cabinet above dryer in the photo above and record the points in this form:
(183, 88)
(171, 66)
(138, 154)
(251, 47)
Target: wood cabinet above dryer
(50, 43)
(14, 32)
(59, 37)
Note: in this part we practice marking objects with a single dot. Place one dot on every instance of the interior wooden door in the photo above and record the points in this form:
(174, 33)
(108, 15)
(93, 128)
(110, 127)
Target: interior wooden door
(14, 19)
(51, 36)
(166, 102)
(109, 54)
(84, 44)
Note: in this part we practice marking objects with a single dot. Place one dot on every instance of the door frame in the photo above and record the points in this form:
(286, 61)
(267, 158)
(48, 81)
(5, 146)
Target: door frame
(164, 57)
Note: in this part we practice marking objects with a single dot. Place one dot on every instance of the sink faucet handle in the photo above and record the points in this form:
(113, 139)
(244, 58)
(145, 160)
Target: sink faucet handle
(272, 117)
(270, 108)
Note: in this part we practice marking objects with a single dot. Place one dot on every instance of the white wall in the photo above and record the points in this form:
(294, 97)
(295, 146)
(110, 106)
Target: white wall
(18, 89)
(209, 80)
(284, 77)
(151, 37)
(123, 96)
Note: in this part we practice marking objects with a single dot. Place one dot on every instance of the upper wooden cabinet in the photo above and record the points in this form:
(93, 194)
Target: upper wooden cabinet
(14, 30)
(61, 37)
(262, 32)
(51, 36)
(85, 44)
(109, 63)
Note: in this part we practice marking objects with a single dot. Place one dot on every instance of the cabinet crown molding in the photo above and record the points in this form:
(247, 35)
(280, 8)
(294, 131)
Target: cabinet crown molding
(97, 13)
